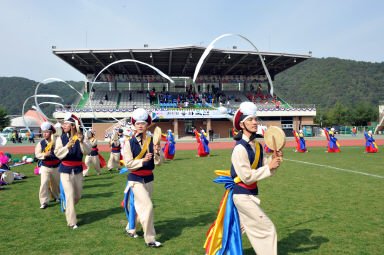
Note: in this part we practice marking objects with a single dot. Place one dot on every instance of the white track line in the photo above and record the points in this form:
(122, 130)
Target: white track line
(336, 168)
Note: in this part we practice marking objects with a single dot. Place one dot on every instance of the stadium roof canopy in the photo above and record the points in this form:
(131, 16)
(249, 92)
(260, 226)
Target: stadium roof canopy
(178, 61)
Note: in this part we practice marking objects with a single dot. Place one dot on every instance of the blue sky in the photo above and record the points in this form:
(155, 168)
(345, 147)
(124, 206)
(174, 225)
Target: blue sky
(344, 29)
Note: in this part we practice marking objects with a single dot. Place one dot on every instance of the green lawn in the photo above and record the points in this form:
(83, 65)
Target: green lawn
(316, 210)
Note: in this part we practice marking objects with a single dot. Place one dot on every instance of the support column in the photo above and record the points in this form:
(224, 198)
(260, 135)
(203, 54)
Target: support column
(209, 126)
(86, 86)
(185, 85)
(176, 128)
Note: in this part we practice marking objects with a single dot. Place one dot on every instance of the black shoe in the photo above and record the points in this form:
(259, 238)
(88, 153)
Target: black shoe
(155, 244)
(131, 235)
(43, 206)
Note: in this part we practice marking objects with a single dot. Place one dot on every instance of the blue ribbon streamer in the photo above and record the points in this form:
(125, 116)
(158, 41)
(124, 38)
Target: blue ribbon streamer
(231, 242)
(62, 198)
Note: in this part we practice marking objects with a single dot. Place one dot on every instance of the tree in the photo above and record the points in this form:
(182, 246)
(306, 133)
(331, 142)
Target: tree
(337, 115)
(364, 113)
(4, 119)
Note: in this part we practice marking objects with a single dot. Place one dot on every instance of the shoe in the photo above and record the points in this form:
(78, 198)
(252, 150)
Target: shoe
(73, 227)
(131, 235)
(155, 244)
(98, 173)
(43, 206)
(110, 170)
(57, 200)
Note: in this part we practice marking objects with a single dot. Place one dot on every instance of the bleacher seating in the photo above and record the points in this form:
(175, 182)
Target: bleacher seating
(137, 100)
(235, 98)
(98, 100)
(127, 100)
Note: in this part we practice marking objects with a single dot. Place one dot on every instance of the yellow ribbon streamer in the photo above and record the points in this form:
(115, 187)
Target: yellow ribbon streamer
(143, 150)
(49, 146)
(145, 147)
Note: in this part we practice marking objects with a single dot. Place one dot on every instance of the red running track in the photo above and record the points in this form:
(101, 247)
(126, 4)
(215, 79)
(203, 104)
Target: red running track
(213, 146)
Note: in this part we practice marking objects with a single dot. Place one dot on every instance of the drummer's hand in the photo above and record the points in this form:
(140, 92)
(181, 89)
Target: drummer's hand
(156, 148)
(275, 163)
(147, 157)
(70, 144)
(279, 154)
(80, 136)
(47, 154)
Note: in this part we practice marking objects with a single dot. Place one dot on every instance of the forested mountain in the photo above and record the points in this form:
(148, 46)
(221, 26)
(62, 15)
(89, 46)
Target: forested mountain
(14, 91)
(327, 81)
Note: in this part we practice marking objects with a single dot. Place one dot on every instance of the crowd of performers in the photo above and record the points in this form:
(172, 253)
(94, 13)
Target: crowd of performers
(62, 170)
(133, 151)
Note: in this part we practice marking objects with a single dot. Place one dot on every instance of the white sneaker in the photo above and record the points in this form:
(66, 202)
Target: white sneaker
(155, 244)
(131, 235)
(73, 227)
(43, 206)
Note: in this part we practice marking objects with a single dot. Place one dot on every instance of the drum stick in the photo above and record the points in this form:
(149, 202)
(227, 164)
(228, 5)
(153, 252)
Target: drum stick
(274, 148)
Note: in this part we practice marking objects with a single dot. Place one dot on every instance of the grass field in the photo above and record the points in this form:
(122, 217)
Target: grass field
(316, 210)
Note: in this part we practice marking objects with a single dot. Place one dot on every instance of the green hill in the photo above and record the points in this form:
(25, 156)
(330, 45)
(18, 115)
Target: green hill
(328, 81)
(15, 90)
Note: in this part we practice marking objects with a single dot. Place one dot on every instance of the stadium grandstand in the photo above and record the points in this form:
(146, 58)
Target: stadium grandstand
(227, 78)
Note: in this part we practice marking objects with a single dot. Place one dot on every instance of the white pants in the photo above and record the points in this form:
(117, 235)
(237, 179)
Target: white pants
(92, 160)
(73, 188)
(114, 160)
(144, 209)
(49, 174)
(259, 228)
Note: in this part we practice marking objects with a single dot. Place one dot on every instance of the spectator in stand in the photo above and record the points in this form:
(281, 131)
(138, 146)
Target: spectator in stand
(208, 87)
(278, 104)
(163, 89)
(258, 89)
(106, 97)
(251, 88)
(152, 96)
(130, 96)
